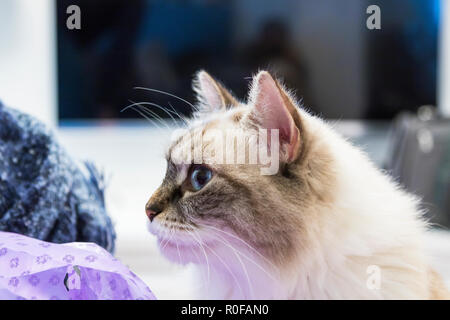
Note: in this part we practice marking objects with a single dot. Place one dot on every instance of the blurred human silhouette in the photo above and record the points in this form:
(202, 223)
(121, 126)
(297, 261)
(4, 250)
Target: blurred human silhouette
(272, 48)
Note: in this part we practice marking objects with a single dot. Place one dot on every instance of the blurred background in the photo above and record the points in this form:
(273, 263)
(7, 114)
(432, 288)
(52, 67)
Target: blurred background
(385, 89)
(338, 67)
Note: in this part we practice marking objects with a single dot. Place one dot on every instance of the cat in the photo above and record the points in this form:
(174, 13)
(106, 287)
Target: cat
(327, 225)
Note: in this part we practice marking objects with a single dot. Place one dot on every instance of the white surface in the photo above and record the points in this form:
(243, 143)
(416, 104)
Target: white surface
(28, 57)
(133, 159)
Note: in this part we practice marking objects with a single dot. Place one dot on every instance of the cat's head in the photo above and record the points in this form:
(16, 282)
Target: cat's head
(254, 194)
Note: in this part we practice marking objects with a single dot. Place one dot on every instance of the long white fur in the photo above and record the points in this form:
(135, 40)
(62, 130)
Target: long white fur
(372, 222)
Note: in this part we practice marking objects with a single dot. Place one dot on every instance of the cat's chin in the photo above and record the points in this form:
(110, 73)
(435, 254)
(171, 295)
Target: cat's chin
(177, 247)
(180, 252)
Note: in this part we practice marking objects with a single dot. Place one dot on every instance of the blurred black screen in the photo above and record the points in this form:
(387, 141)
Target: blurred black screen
(322, 49)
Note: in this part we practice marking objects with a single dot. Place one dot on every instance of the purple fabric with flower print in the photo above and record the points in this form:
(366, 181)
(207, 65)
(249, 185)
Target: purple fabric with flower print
(34, 269)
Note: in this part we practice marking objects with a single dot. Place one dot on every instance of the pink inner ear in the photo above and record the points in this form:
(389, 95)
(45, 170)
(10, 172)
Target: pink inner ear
(210, 92)
(273, 113)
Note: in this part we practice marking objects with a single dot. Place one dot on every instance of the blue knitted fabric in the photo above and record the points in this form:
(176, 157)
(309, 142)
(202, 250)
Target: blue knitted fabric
(44, 194)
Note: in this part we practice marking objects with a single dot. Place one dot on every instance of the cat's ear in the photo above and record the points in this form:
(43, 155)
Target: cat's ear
(274, 109)
(211, 94)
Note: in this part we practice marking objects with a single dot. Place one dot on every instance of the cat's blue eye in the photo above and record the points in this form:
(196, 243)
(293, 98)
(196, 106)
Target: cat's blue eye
(200, 176)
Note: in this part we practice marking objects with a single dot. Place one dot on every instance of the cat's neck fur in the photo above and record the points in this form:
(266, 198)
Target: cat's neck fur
(370, 226)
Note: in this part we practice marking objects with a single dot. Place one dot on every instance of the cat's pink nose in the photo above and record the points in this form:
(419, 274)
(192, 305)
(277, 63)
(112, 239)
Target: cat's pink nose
(152, 212)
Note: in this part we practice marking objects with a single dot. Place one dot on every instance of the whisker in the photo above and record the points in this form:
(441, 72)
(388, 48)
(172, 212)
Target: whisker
(171, 232)
(223, 262)
(168, 112)
(245, 256)
(208, 278)
(207, 261)
(154, 115)
(146, 117)
(147, 112)
(168, 94)
(179, 254)
(182, 118)
(244, 242)
(236, 253)
(141, 112)
(204, 283)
